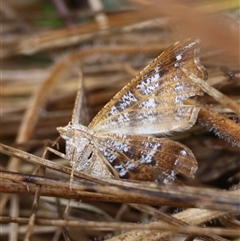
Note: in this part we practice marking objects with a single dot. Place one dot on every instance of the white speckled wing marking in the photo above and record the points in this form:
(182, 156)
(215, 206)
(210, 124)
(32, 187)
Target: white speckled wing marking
(152, 103)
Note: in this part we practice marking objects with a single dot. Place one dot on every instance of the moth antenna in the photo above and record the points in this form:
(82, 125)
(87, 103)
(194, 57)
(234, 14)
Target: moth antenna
(79, 116)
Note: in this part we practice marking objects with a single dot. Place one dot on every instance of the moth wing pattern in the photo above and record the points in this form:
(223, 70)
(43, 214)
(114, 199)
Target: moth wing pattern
(146, 158)
(152, 103)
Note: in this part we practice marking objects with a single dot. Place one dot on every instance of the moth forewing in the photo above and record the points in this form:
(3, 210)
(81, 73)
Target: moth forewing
(152, 103)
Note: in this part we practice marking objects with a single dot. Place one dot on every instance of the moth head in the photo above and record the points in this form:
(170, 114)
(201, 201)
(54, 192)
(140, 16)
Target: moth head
(73, 131)
(66, 132)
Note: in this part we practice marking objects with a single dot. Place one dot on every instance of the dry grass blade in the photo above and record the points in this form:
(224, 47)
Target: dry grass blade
(127, 193)
(152, 227)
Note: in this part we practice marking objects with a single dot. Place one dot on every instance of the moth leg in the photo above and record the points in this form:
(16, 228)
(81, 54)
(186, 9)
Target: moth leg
(60, 154)
(73, 167)
(50, 149)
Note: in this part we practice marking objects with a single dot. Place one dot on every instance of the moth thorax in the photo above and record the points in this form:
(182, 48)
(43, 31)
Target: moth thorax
(79, 152)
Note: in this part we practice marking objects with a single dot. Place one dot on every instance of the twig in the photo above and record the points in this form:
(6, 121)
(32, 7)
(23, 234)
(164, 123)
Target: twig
(217, 95)
(151, 228)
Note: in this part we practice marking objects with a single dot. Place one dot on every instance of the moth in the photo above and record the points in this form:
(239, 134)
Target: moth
(121, 142)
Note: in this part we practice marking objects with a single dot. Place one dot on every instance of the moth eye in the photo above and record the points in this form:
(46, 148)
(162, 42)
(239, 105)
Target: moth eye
(69, 133)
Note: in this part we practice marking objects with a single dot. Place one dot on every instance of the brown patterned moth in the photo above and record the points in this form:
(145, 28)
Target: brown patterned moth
(119, 141)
